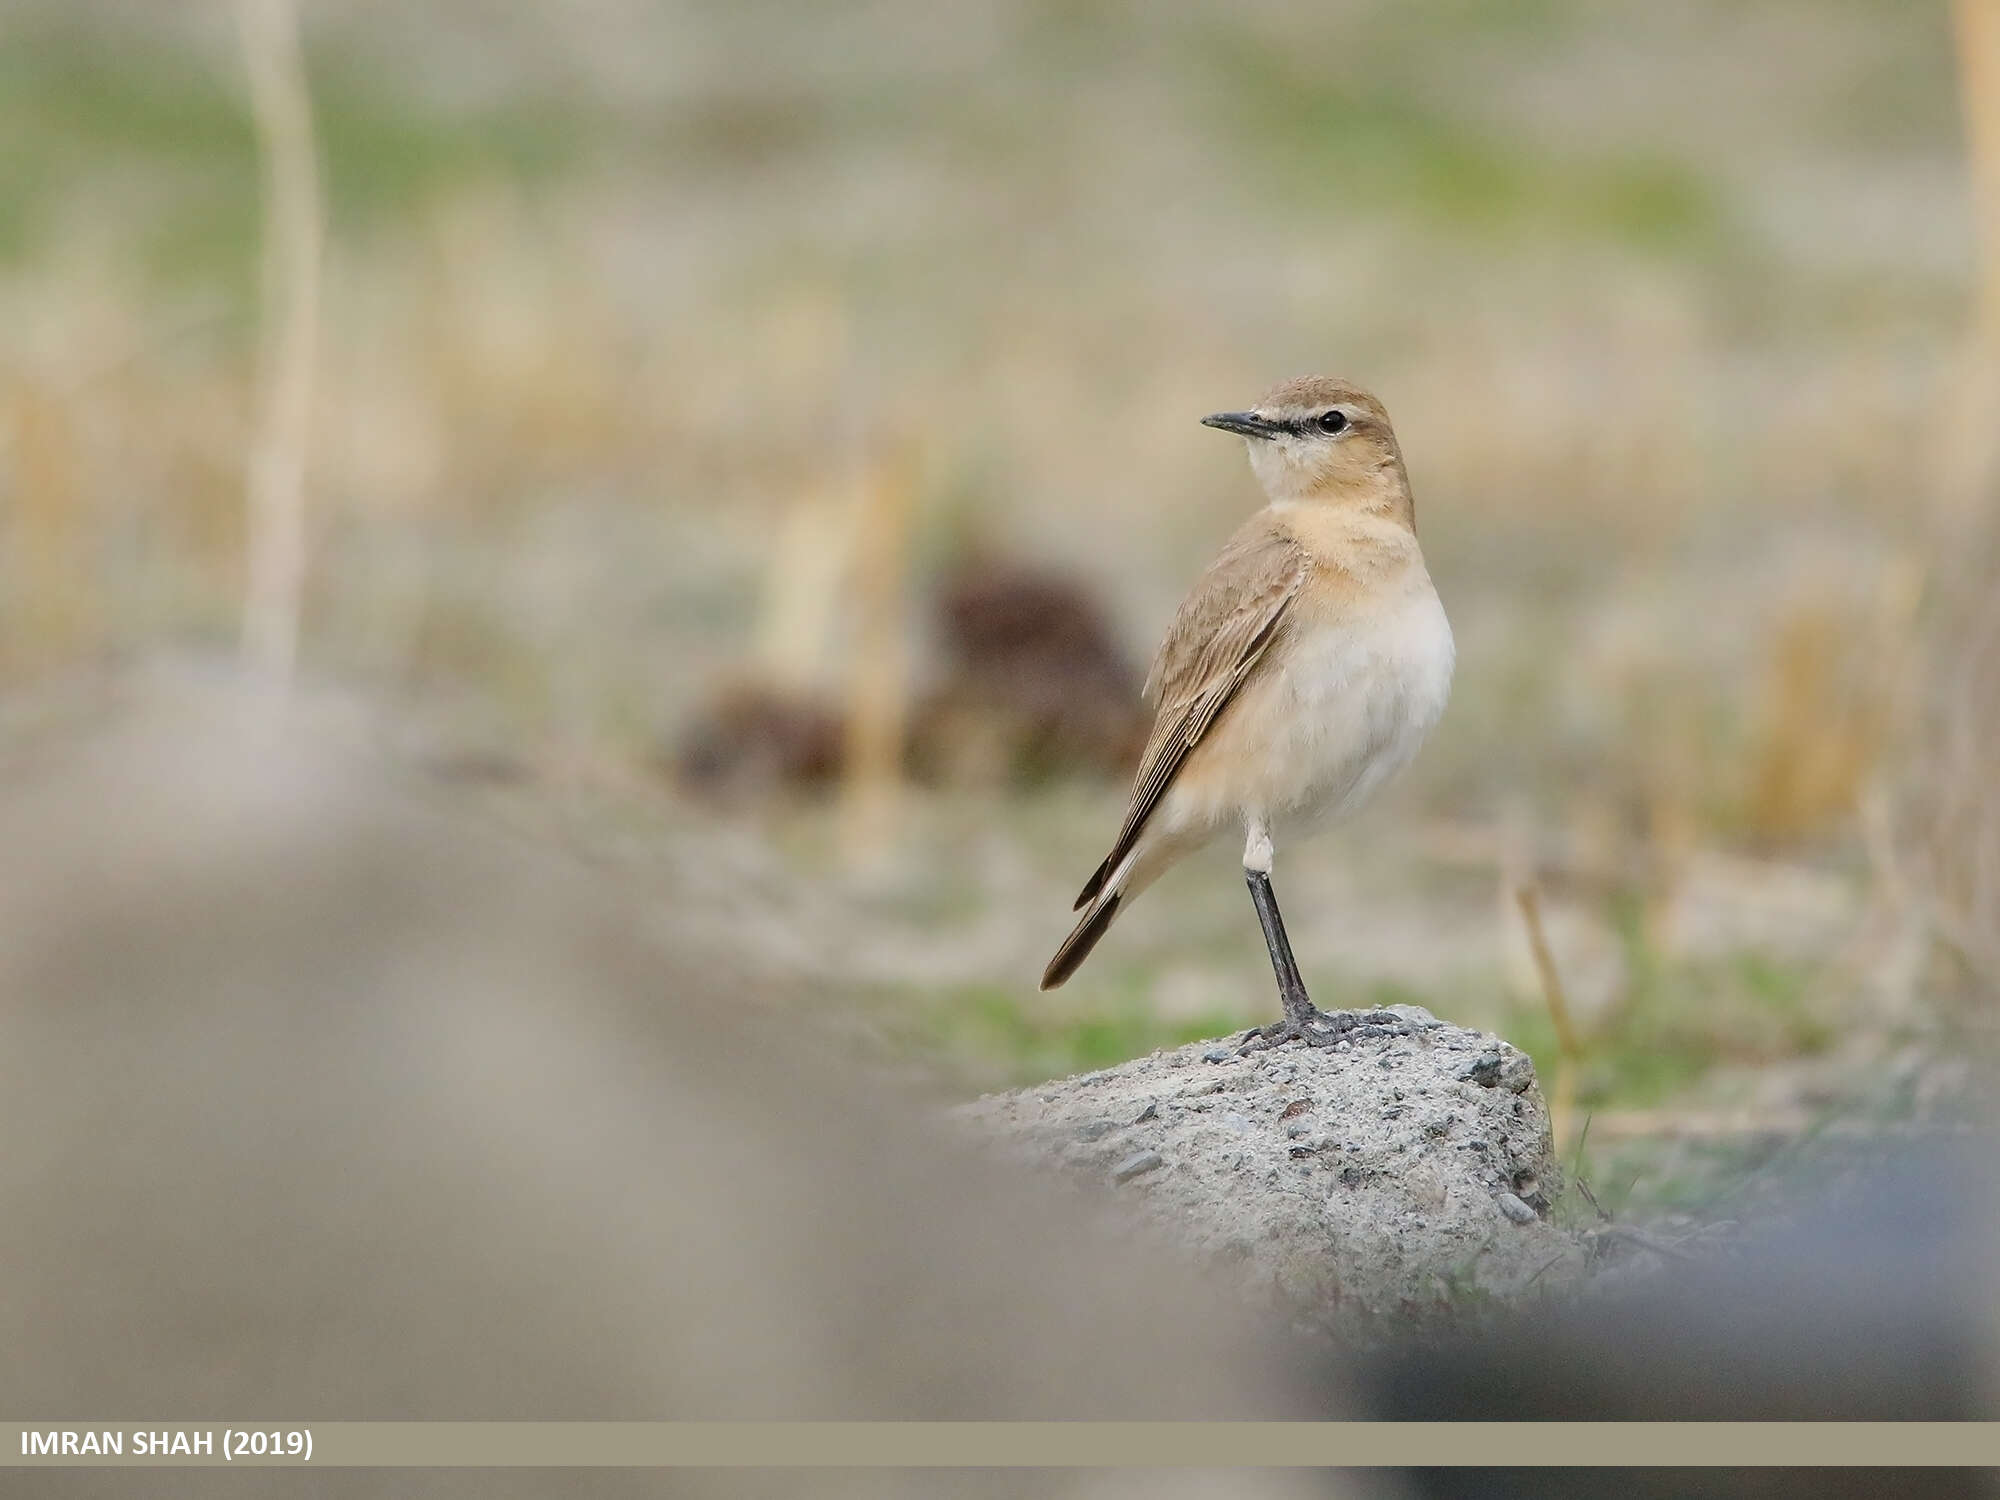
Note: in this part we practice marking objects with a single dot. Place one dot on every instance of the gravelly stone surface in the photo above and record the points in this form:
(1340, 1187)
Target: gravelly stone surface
(1383, 1176)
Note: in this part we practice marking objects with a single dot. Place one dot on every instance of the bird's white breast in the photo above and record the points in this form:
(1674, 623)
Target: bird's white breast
(1353, 698)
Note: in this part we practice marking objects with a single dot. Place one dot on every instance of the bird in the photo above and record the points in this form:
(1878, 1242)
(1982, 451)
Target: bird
(1303, 670)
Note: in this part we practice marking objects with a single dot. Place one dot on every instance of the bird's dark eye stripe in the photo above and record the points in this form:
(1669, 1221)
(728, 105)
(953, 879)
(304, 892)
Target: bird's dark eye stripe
(1307, 426)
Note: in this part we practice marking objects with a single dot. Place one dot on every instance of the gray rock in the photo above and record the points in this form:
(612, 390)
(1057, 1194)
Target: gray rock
(1360, 1214)
(1141, 1162)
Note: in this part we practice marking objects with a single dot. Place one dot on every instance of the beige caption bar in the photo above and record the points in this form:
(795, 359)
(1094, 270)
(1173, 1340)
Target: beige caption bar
(997, 1444)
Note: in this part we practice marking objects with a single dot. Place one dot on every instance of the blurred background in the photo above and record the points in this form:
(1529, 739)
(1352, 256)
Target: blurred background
(755, 447)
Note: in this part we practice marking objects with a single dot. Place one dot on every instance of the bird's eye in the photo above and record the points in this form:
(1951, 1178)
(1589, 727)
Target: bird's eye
(1332, 421)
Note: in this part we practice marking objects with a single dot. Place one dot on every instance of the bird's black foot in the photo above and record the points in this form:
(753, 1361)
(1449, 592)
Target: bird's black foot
(1318, 1028)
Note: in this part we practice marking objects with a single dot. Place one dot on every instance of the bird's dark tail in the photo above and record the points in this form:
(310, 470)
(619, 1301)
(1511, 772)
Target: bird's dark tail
(1083, 937)
(1092, 886)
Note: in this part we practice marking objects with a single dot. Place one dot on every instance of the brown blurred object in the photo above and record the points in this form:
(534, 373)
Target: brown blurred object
(1035, 684)
(326, 1102)
(753, 740)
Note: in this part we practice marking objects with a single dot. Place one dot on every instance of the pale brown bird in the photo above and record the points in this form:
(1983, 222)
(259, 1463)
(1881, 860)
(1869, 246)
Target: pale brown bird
(1303, 670)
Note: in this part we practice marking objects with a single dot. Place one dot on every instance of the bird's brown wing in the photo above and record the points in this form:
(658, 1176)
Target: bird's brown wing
(1224, 627)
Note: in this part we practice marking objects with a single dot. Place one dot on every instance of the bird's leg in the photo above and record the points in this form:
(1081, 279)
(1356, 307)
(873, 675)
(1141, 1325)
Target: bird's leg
(1291, 986)
(1303, 1020)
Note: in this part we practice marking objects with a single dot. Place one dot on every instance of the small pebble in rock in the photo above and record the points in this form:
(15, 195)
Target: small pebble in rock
(1092, 1130)
(1517, 1073)
(1196, 1090)
(1150, 1112)
(1217, 1054)
(1484, 1071)
(1515, 1209)
(1513, 1071)
(1141, 1162)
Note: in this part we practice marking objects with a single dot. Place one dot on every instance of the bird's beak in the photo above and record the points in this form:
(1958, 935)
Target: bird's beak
(1248, 423)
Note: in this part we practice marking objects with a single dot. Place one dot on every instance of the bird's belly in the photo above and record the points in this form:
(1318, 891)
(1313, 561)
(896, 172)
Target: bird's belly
(1346, 708)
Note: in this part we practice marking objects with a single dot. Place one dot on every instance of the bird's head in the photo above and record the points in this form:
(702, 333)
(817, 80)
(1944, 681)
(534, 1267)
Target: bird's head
(1323, 440)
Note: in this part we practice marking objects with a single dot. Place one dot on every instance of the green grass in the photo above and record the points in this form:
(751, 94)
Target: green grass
(78, 104)
(1678, 1021)
(1341, 143)
(1680, 1018)
(998, 1033)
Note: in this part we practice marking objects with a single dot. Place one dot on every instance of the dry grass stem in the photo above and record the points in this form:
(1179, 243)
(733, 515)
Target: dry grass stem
(878, 681)
(1695, 1125)
(50, 521)
(1966, 840)
(1562, 1110)
(1970, 453)
(282, 109)
(1978, 39)
(810, 560)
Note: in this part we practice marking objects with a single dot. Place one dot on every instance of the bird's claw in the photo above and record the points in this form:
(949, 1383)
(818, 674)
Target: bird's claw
(1319, 1028)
